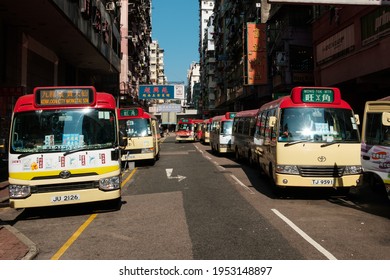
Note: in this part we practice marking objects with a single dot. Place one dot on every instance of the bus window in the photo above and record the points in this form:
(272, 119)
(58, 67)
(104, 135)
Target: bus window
(62, 130)
(227, 127)
(263, 119)
(138, 127)
(374, 128)
(318, 125)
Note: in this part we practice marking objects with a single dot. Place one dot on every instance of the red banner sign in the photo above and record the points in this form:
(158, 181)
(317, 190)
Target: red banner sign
(256, 54)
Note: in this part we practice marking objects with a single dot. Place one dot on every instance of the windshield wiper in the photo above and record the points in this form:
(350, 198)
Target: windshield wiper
(297, 142)
(75, 151)
(28, 154)
(330, 143)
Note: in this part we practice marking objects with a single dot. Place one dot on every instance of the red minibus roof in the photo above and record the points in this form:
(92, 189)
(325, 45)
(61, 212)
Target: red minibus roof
(189, 120)
(328, 97)
(226, 117)
(247, 113)
(56, 98)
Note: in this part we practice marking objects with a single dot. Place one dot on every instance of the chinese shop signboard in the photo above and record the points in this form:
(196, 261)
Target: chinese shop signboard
(156, 92)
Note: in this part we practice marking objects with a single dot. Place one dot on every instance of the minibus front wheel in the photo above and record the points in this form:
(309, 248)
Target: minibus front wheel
(237, 155)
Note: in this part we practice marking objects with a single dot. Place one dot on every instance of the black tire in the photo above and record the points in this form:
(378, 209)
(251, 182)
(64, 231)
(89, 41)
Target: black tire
(250, 159)
(113, 205)
(374, 183)
(343, 191)
(237, 155)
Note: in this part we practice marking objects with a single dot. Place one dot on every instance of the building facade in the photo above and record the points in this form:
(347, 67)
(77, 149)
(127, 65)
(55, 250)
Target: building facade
(193, 78)
(263, 50)
(54, 43)
(235, 89)
(350, 48)
(157, 73)
(136, 29)
(206, 103)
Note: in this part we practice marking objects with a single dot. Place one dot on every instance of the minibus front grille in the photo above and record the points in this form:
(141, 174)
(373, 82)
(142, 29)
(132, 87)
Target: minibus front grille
(59, 177)
(65, 187)
(321, 171)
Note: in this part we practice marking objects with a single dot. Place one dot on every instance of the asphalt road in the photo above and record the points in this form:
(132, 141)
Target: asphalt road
(193, 205)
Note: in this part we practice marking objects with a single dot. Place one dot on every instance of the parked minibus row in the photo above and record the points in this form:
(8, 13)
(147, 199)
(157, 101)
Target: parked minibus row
(310, 138)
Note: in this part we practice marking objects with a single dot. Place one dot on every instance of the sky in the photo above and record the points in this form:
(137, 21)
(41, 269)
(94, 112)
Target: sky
(175, 25)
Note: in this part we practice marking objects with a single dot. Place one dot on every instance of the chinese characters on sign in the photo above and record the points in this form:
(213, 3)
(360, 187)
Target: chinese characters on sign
(317, 95)
(156, 92)
(56, 97)
(257, 54)
(168, 107)
(129, 112)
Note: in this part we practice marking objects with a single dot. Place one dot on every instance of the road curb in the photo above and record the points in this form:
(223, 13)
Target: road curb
(32, 247)
(3, 192)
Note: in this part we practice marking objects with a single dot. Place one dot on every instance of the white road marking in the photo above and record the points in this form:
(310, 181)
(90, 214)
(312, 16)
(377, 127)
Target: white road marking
(169, 172)
(242, 184)
(321, 249)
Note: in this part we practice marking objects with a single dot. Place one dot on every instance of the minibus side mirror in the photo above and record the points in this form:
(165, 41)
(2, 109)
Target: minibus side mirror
(122, 142)
(357, 119)
(272, 121)
(386, 118)
(115, 154)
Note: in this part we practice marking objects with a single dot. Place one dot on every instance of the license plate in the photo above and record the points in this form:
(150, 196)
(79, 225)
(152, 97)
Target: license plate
(129, 156)
(65, 198)
(327, 182)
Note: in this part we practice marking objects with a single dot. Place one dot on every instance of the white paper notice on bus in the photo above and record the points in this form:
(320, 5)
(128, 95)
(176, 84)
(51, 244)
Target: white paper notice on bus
(65, 198)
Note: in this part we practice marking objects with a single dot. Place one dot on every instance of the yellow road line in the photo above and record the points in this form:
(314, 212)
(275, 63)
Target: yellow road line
(78, 232)
(73, 238)
(128, 177)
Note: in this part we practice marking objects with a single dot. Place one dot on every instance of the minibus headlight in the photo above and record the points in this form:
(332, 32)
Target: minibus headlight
(19, 191)
(108, 184)
(353, 169)
(287, 169)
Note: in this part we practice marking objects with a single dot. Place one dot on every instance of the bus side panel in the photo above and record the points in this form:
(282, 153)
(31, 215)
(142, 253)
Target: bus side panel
(156, 136)
(376, 159)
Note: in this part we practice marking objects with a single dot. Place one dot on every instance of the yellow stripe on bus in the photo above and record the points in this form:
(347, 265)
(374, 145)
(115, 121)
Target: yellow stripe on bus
(29, 175)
